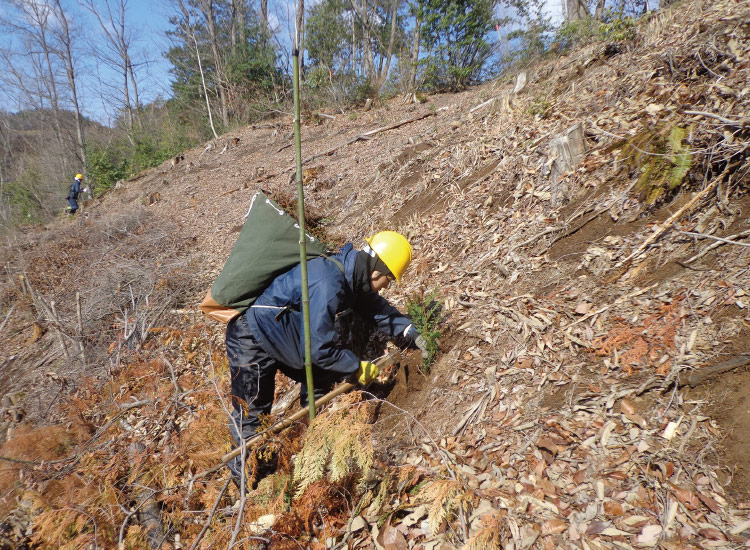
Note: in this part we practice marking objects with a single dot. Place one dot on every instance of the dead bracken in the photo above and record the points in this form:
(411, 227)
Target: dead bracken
(572, 403)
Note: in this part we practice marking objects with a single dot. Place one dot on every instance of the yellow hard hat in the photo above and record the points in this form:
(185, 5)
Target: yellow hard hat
(393, 249)
(79, 176)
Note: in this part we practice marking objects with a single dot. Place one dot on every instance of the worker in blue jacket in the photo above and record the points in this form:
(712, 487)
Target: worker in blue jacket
(269, 336)
(73, 192)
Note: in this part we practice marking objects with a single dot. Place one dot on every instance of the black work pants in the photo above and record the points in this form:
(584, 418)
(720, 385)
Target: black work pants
(253, 373)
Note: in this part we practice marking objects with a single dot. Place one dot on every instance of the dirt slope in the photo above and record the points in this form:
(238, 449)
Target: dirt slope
(560, 413)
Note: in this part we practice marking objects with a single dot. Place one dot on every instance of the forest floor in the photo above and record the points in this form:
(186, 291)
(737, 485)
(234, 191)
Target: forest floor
(572, 404)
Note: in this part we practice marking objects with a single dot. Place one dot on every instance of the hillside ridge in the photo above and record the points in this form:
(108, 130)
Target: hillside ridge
(584, 306)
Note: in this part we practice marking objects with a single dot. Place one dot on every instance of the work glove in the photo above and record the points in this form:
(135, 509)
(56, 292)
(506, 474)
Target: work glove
(366, 373)
(421, 343)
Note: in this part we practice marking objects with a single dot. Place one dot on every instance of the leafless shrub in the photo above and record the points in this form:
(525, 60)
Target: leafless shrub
(111, 278)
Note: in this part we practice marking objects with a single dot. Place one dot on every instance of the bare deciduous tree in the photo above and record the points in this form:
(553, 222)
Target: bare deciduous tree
(206, 8)
(114, 27)
(187, 28)
(376, 75)
(415, 49)
(38, 83)
(65, 52)
(575, 10)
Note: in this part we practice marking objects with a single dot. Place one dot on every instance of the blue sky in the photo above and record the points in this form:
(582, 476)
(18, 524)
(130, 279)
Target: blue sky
(148, 21)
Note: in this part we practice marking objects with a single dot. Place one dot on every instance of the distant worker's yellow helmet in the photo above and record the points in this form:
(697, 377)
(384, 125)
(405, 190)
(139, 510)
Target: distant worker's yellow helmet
(393, 249)
(79, 176)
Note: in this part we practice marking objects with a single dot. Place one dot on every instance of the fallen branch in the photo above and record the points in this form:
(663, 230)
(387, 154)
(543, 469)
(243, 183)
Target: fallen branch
(703, 374)
(739, 123)
(716, 245)
(532, 239)
(79, 317)
(56, 324)
(49, 312)
(10, 312)
(210, 515)
(663, 227)
(706, 236)
(491, 100)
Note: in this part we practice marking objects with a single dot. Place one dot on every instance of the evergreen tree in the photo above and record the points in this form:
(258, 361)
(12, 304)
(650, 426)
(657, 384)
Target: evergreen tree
(455, 40)
(238, 64)
(351, 45)
(329, 37)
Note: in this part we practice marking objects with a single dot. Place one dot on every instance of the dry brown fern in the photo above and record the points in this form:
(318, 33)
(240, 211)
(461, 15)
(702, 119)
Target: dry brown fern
(337, 443)
(647, 341)
(446, 499)
(492, 534)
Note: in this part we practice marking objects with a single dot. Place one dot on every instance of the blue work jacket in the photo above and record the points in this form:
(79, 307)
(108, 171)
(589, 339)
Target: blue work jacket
(281, 333)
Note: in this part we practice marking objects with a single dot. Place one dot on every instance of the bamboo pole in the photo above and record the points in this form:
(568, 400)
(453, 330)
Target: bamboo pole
(301, 213)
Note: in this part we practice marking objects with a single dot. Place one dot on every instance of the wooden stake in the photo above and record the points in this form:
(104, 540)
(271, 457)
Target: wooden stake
(81, 350)
(56, 325)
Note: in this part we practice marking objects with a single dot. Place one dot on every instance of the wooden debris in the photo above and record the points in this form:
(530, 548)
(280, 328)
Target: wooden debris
(701, 375)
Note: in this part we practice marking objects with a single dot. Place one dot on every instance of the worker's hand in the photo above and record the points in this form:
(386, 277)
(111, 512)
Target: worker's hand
(421, 343)
(366, 373)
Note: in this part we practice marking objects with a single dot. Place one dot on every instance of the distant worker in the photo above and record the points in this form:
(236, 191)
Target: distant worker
(73, 193)
(268, 337)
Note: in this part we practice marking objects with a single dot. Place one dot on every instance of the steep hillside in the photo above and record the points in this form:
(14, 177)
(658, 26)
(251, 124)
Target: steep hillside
(575, 403)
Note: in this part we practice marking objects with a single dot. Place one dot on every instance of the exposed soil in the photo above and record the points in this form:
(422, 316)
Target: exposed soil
(558, 395)
(728, 399)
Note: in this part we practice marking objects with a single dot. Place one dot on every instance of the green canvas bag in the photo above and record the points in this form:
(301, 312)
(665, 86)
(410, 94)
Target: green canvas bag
(267, 246)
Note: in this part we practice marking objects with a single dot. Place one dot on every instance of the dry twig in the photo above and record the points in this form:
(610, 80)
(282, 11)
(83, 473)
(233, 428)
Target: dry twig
(663, 227)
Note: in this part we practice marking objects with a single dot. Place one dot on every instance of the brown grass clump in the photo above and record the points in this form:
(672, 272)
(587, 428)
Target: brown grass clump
(447, 498)
(157, 420)
(492, 534)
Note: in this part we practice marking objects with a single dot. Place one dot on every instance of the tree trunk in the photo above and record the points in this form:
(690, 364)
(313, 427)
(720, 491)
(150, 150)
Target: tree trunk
(354, 44)
(136, 99)
(241, 31)
(415, 52)
(264, 20)
(115, 29)
(576, 10)
(367, 61)
(233, 29)
(39, 14)
(207, 8)
(391, 41)
(124, 54)
(599, 12)
(67, 57)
